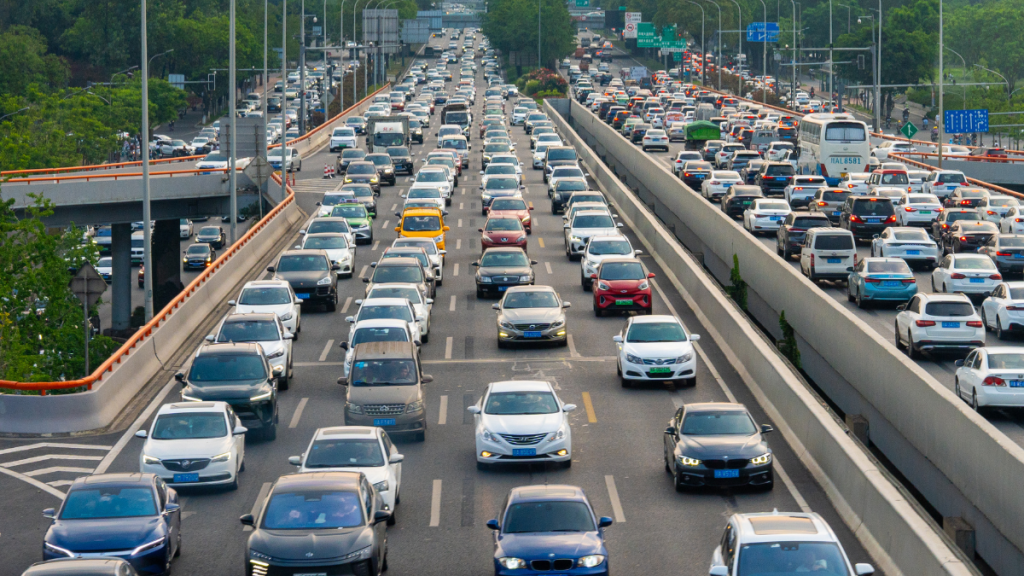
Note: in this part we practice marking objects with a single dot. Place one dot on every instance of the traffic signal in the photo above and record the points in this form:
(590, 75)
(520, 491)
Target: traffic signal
(860, 61)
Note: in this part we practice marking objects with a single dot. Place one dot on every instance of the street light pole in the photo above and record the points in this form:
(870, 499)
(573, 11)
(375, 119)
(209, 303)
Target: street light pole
(233, 152)
(147, 234)
(764, 55)
(848, 15)
(284, 93)
(793, 70)
(940, 117)
(703, 59)
(341, 43)
(266, 78)
(538, 33)
(831, 67)
(719, 66)
(739, 25)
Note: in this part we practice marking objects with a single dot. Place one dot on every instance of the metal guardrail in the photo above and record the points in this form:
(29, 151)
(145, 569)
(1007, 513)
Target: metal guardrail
(93, 167)
(91, 177)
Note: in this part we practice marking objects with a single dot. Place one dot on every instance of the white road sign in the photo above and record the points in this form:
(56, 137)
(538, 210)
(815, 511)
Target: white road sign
(630, 30)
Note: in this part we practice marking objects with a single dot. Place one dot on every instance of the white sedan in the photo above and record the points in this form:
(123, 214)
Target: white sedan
(365, 449)
(1003, 310)
(765, 215)
(913, 245)
(598, 249)
(655, 349)
(964, 273)
(338, 247)
(719, 183)
(920, 209)
(186, 434)
(655, 139)
(1013, 221)
(377, 330)
(395, 308)
(421, 306)
(271, 296)
(991, 377)
(521, 421)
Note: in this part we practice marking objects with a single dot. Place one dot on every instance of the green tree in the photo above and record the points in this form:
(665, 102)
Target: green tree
(511, 25)
(24, 61)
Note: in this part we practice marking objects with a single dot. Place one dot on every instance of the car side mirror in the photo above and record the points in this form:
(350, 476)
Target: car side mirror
(901, 307)
(475, 264)
(766, 428)
(171, 507)
(566, 225)
(381, 516)
(719, 571)
(959, 362)
(180, 377)
(239, 430)
(473, 409)
(604, 522)
(342, 380)
(247, 519)
(232, 303)
(295, 460)
(366, 280)
(278, 370)
(209, 338)
(426, 379)
(671, 430)
(141, 434)
(492, 524)
(271, 269)
(51, 513)
(568, 407)
(863, 569)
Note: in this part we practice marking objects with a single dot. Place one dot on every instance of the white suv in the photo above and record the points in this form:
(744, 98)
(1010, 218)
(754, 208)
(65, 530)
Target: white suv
(343, 138)
(585, 224)
(827, 253)
(781, 543)
(943, 182)
(274, 296)
(186, 434)
(938, 323)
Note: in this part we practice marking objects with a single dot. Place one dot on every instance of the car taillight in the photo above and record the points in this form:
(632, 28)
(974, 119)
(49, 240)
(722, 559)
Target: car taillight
(1015, 308)
(798, 188)
(944, 226)
(686, 174)
(821, 203)
(890, 219)
(957, 276)
(910, 209)
(995, 277)
(909, 281)
(963, 238)
(798, 230)
(991, 212)
(965, 202)
(812, 260)
(851, 186)
(974, 323)
(924, 323)
(991, 380)
(856, 219)
(1003, 254)
(854, 260)
(872, 280)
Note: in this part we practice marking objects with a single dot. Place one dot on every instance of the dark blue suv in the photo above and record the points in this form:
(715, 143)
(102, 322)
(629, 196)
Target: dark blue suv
(545, 529)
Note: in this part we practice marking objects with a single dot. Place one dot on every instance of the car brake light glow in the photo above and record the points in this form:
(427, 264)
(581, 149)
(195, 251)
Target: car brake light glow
(910, 209)
(890, 219)
(995, 277)
(856, 219)
(1003, 254)
(909, 281)
(963, 238)
(821, 203)
(924, 323)
(872, 280)
(957, 276)
(992, 380)
(974, 323)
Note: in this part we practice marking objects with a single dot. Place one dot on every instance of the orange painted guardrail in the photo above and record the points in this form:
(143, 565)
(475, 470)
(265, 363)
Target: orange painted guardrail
(901, 156)
(994, 159)
(147, 331)
(94, 167)
(89, 177)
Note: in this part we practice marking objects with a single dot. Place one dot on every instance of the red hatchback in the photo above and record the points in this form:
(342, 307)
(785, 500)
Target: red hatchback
(512, 208)
(622, 284)
(502, 231)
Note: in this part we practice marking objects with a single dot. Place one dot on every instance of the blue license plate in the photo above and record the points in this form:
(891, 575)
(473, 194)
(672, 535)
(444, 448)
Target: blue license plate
(301, 296)
(891, 283)
(836, 213)
(185, 478)
(950, 324)
(913, 252)
(977, 280)
(775, 218)
(833, 260)
(531, 334)
(502, 288)
(1017, 255)
(524, 451)
(873, 220)
(383, 421)
(727, 473)
(1016, 383)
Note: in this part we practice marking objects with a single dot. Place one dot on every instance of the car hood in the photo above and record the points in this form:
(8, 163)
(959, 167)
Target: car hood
(720, 447)
(588, 232)
(105, 534)
(202, 239)
(227, 390)
(187, 447)
(301, 279)
(338, 254)
(657, 349)
(373, 474)
(622, 285)
(496, 270)
(532, 315)
(506, 235)
(403, 394)
(542, 544)
(279, 309)
(310, 544)
(522, 424)
(358, 222)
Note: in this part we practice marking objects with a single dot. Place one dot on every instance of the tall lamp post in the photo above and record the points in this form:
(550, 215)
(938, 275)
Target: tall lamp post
(848, 15)
(302, 68)
(355, 9)
(233, 148)
(147, 234)
(284, 93)
(719, 66)
(964, 62)
(764, 55)
(793, 70)
(341, 44)
(940, 117)
(739, 25)
(703, 59)
(878, 71)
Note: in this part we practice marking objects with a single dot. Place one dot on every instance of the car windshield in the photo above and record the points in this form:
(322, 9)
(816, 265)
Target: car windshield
(571, 186)
(1004, 202)
(361, 169)
(593, 221)
(210, 231)
(552, 516)
(622, 271)
(424, 193)
(949, 309)
(777, 558)
(431, 176)
(718, 423)
(328, 226)
(647, 332)
(385, 312)
(215, 157)
(888, 267)
(227, 367)
(497, 147)
(353, 154)
(773, 206)
(567, 173)
(313, 510)
(383, 372)
(326, 242)
(335, 199)
(500, 169)
(349, 211)
(421, 224)
(606, 247)
(193, 250)
(355, 453)
(502, 225)
(264, 297)
(562, 154)
(508, 204)
(895, 178)
(502, 184)
(973, 193)
(302, 263)
(503, 259)
(108, 502)
(379, 334)
(400, 151)
(190, 425)
(975, 263)
(521, 403)
(379, 159)
(530, 299)
(406, 274)
(456, 143)
(249, 331)
(409, 293)
(873, 207)
(421, 256)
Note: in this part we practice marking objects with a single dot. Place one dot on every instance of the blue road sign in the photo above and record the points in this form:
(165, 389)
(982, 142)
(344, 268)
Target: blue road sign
(763, 32)
(966, 121)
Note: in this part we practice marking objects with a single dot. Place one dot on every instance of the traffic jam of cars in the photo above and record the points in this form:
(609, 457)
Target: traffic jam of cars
(333, 513)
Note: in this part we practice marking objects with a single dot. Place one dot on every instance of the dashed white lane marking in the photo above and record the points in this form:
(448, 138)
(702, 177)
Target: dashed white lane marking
(394, 207)
(458, 244)
(376, 243)
(547, 266)
(613, 495)
(448, 347)
(435, 504)
(45, 488)
(384, 225)
(255, 511)
(461, 205)
(459, 225)
(451, 306)
(53, 469)
(362, 273)
(298, 412)
(327, 350)
(455, 272)
(348, 302)
(442, 413)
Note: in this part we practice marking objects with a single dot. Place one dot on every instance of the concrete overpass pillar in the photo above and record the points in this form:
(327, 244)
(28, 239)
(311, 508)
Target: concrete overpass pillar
(166, 263)
(121, 277)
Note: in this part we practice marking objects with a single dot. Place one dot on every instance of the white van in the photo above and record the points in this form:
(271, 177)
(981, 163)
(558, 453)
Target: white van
(827, 253)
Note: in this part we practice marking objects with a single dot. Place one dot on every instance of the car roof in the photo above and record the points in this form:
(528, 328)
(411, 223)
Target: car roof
(421, 212)
(385, 301)
(350, 480)
(115, 478)
(520, 385)
(378, 350)
(655, 318)
(715, 407)
(547, 492)
(775, 526)
(306, 252)
(942, 297)
(249, 317)
(176, 407)
(346, 432)
(402, 261)
(531, 288)
(266, 284)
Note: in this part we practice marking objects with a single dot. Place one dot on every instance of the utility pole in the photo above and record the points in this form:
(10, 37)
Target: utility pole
(233, 153)
(739, 24)
(284, 108)
(764, 55)
(793, 68)
(940, 118)
(147, 234)
(302, 73)
(539, 61)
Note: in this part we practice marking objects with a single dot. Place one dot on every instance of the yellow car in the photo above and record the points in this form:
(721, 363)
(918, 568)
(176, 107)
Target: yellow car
(423, 223)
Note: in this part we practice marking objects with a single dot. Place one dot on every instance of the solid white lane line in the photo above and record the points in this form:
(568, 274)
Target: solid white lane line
(613, 495)
(327, 350)
(547, 266)
(43, 471)
(33, 482)
(255, 511)
(572, 347)
(348, 302)
(298, 411)
(791, 487)
(451, 307)
(455, 272)
(448, 346)
(442, 413)
(362, 273)
(458, 244)
(53, 445)
(435, 504)
(130, 432)
(45, 457)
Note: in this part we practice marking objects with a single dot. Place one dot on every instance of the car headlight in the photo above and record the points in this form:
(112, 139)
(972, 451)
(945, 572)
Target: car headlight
(324, 281)
(644, 285)
(439, 239)
(221, 457)
(762, 459)
(262, 396)
(602, 286)
(685, 358)
(412, 407)
(524, 278)
(485, 279)
(373, 180)
(259, 555)
(277, 354)
(348, 180)
(188, 398)
(353, 408)
(150, 460)
(287, 316)
(506, 324)
(512, 563)
(634, 359)
(184, 260)
(558, 435)
(387, 170)
(576, 239)
(149, 546)
(489, 436)
(558, 323)
(590, 561)
(687, 461)
(58, 550)
(363, 554)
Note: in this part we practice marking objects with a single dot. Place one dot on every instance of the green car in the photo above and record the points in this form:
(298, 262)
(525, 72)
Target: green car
(358, 219)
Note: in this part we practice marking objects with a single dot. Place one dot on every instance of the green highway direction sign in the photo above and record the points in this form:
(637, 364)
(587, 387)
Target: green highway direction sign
(909, 130)
(582, 3)
(648, 37)
(645, 35)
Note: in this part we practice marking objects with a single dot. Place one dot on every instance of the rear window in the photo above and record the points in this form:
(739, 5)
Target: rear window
(845, 132)
(895, 178)
(889, 267)
(812, 223)
(835, 196)
(946, 178)
(1011, 242)
(949, 309)
(781, 170)
(833, 242)
(873, 207)
(562, 154)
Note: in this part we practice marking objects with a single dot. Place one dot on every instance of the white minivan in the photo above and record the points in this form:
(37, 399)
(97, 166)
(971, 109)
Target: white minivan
(827, 253)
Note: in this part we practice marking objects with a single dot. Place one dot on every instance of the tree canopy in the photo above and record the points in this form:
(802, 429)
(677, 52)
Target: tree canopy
(511, 26)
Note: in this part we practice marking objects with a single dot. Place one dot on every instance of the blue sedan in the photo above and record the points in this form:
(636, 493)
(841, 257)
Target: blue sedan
(880, 279)
(547, 529)
(135, 517)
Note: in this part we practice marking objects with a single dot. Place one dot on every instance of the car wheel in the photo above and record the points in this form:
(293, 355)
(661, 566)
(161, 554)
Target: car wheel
(899, 341)
(333, 305)
(974, 402)
(587, 287)
(231, 487)
(956, 389)
(618, 368)
(177, 548)
(598, 311)
(270, 432)
(933, 285)
(283, 382)
(912, 352)
(984, 321)
(999, 329)
(391, 522)
(860, 299)
(849, 293)
(479, 293)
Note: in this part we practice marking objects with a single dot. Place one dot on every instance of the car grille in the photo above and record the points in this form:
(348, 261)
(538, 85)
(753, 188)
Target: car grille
(186, 465)
(659, 361)
(505, 279)
(523, 439)
(383, 409)
(725, 464)
(545, 565)
(532, 326)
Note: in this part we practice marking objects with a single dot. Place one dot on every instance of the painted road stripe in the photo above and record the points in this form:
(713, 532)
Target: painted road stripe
(42, 486)
(435, 505)
(130, 432)
(462, 205)
(459, 225)
(451, 307)
(458, 244)
(572, 346)
(53, 469)
(541, 242)
(455, 272)
(448, 346)
(327, 350)
(376, 243)
(442, 413)
(613, 495)
(298, 411)
(362, 273)
(46, 457)
(384, 224)
(394, 207)
(547, 266)
(53, 445)
(589, 406)
(255, 511)
(348, 302)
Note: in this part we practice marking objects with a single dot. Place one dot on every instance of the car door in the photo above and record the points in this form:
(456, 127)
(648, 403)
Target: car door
(905, 316)
(941, 272)
(238, 439)
(991, 306)
(968, 373)
(173, 518)
(395, 468)
(671, 439)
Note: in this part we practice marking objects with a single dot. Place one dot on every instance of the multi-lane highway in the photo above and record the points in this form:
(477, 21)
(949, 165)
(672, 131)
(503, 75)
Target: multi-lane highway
(445, 500)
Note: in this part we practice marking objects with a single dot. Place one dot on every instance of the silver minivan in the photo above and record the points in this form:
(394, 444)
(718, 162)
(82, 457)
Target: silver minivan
(384, 388)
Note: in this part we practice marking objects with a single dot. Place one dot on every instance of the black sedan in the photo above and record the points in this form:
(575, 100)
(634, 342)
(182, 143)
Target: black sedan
(968, 236)
(212, 235)
(401, 159)
(198, 257)
(323, 523)
(348, 156)
(717, 444)
(502, 267)
(738, 198)
(637, 135)
(385, 167)
(694, 173)
(312, 275)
